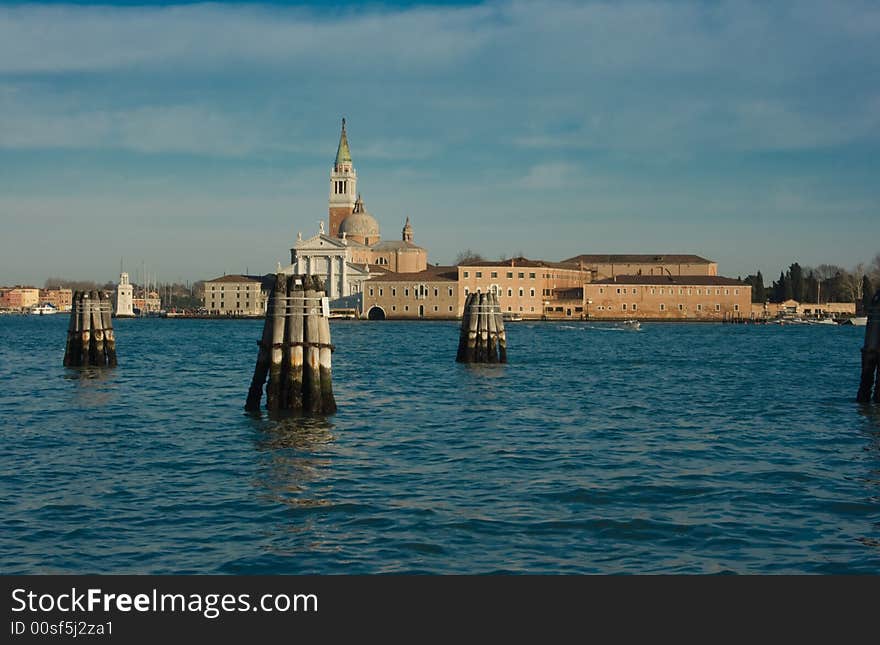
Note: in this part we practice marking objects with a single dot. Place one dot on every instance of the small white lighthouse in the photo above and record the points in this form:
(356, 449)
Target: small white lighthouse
(124, 295)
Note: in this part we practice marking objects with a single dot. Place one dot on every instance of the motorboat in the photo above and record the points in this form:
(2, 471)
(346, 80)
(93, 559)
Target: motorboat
(632, 324)
(44, 309)
(824, 321)
(511, 317)
(858, 321)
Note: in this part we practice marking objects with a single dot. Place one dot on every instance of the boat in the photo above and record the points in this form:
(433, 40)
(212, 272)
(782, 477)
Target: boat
(44, 309)
(825, 321)
(858, 321)
(632, 324)
(509, 317)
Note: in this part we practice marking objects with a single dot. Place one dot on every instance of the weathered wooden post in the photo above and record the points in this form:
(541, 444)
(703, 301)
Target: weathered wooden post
(90, 340)
(482, 338)
(277, 315)
(294, 338)
(295, 349)
(871, 354)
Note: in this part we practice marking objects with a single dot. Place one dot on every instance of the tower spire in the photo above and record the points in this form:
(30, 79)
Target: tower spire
(343, 154)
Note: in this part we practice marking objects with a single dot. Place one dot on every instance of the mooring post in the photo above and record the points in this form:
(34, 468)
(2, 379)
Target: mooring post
(295, 339)
(255, 392)
(502, 335)
(328, 402)
(279, 304)
(109, 336)
(312, 362)
(871, 354)
(72, 332)
(492, 348)
(96, 351)
(85, 325)
(482, 338)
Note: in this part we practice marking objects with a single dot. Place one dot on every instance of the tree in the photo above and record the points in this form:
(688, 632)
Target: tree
(779, 288)
(758, 290)
(797, 282)
(787, 287)
(811, 289)
(468, 256)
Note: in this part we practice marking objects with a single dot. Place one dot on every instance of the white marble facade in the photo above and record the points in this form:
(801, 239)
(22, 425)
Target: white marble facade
(330, 259)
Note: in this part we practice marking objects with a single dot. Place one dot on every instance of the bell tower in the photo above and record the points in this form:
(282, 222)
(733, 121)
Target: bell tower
(343, 185)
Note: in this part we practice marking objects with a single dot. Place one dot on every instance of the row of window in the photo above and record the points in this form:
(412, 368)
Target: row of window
(635, 307)
(340, 187)
(494, 274)
(237, 288)
(672, 291)
(420, 291)
(406, 308)
(494, 288)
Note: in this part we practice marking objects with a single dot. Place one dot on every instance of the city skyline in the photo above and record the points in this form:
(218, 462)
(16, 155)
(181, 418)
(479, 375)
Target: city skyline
(199, 138)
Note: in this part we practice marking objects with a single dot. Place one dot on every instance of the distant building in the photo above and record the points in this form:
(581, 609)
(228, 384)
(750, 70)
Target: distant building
(61, 299)
(19, 298)
(432, 293)
(148, 302)
(655, 297)
(611, 265)
(235, 295)
(806, 309)
(523, 286)
(124, 297)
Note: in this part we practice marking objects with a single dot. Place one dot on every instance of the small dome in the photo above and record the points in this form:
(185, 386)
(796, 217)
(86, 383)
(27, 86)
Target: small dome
(360, 222)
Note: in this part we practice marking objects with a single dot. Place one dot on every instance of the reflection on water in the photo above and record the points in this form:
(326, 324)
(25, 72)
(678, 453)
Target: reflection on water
(290, 460)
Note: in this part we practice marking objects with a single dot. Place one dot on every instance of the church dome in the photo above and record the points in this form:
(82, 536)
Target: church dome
(360, 223)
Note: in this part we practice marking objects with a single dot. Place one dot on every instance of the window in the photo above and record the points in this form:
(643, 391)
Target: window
(531, 276)
(520, 275)
(371, 291)
(736, 307)
(635, 290)
(479, 274)
(681, 307)
(736, 292)
(436, 293)
(510, 293)
(406, 307)
(510, 274)
(380, 291)
(699, 307)
(521, 291)
(494, 274)
(717, 307)
(578, 309)
(680, 291)
(717, 292)
(393, 307)
(393, 291)
(531, 308)
(436, 308)
(618, 289)
(466, 291)
(406, 292)
(662, 307)
(623, 306)
(601, 290)
(689, 292)
(727, 292)
(532, 292)
(652, 291)
(465, 274)
(635, 306)
(450, 307)
(450, 293)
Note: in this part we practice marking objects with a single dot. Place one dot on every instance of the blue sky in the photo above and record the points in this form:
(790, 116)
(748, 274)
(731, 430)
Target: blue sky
(198, 138)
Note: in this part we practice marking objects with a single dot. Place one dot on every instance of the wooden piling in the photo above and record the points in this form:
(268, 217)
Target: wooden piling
(295, 340)
(463, 334)
(277, 315)
(109, 336)
(72, 338)
(328, 402)
(501, 334)
(492, 335)
(85, 325)
(870, 375)
(255, 392)
(96, 347)
(312, 364)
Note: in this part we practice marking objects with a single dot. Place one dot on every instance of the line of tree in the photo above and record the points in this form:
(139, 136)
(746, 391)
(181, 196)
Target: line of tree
(824, 283)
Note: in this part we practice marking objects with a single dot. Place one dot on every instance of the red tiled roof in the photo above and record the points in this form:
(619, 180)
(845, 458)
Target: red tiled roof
(519, 262)
(677, 279)
(235, 278)
(431, 274)
(638, 258)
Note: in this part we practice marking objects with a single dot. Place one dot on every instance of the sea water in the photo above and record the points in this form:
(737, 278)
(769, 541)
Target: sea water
(678, 448)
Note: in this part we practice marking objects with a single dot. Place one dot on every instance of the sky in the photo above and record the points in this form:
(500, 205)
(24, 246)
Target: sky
(197, 139)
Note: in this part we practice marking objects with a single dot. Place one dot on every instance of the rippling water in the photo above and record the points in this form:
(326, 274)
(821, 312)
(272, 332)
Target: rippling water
(679, 449)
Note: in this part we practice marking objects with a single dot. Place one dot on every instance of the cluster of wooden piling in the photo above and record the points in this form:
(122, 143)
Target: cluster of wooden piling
(295, 349)
(90, 339)
(482, 338)
(871, 354)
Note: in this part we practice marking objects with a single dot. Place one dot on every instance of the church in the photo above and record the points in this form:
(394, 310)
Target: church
(350, 250)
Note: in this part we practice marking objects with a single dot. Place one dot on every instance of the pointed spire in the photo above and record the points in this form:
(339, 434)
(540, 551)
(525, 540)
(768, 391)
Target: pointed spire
(359, 205)
(407, 231)
(343, 154)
